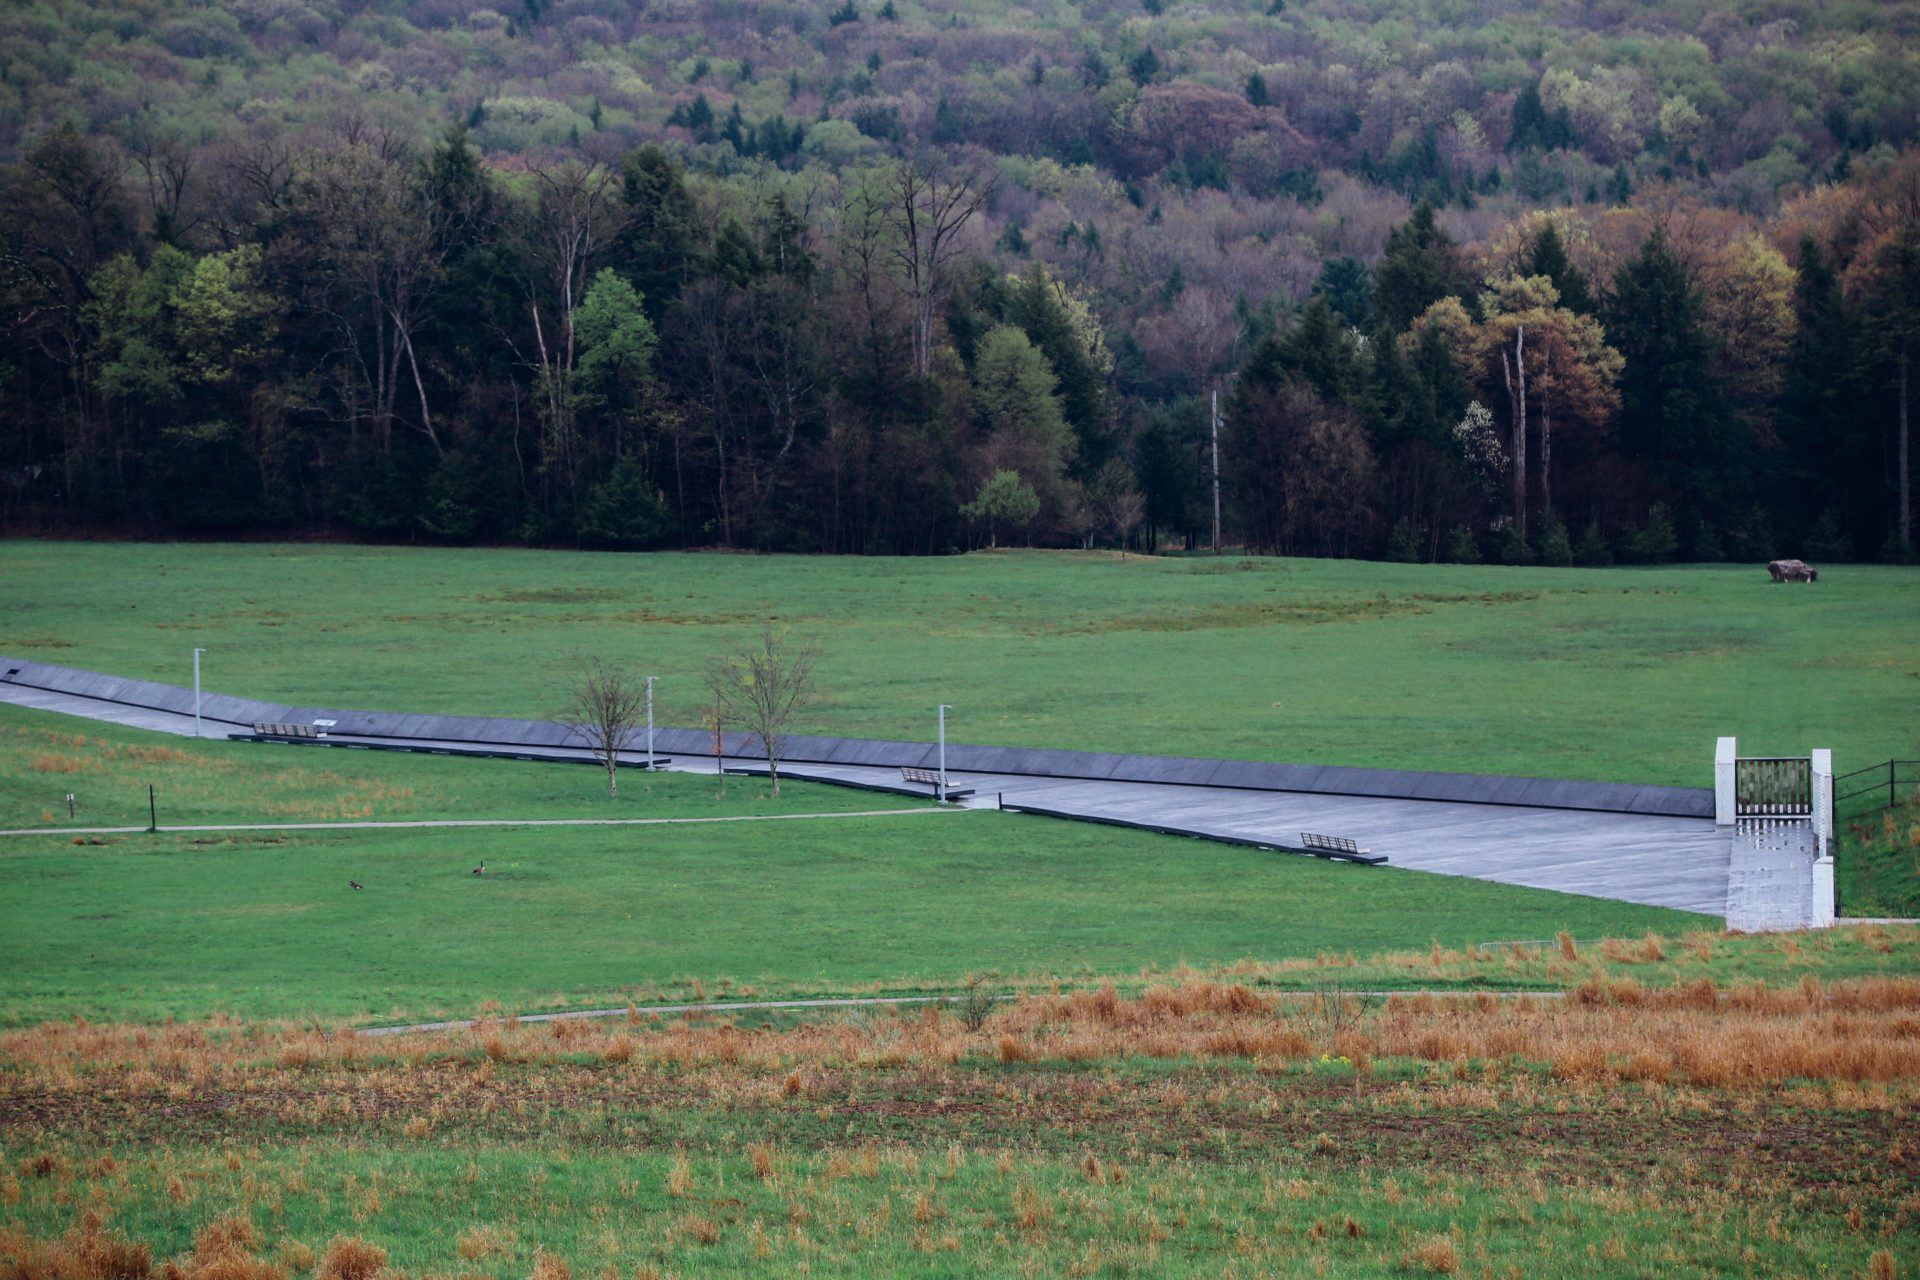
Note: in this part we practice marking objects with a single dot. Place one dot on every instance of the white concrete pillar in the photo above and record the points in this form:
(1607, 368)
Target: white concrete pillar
(1725, 753)
(1823, 896)
(1823, 801)
(1822, 907)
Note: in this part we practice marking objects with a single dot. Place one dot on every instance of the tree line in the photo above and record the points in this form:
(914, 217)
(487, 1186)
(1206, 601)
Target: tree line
(367, 335)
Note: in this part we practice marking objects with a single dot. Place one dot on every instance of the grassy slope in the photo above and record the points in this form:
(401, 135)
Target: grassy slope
(44, 756)
(1617, 674)
(1877, 866)
(141, 927)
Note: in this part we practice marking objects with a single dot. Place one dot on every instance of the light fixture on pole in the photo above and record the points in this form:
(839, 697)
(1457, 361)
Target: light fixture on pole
(944, 708)
(196, 691)
(650, 680)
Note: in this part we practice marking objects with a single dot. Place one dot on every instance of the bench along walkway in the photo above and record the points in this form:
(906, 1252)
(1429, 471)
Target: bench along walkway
(1658, 856)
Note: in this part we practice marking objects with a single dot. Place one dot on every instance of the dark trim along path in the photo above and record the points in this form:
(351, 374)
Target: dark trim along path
(510, 737)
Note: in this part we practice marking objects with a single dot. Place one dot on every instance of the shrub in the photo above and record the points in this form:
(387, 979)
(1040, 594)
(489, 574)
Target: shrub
(1403, 545)
(1462, 546)
(1656, 542)
(1555, 549)
(1593, 550)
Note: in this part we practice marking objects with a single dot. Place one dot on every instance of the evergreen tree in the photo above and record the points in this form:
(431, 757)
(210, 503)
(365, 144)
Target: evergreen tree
(1257, 90)
(1534, 128)
(1891, 314)
(657, 248)
(1347, 286)
(1548, 257)
(1826, 447)
(1420, 267)
(1620, 187)
(1674, 415)
(735, 258)
(1167, 473)
(1319, 352)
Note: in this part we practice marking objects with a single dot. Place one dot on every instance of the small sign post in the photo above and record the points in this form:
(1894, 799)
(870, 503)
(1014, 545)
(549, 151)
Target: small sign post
(153, 811)
(69, 804)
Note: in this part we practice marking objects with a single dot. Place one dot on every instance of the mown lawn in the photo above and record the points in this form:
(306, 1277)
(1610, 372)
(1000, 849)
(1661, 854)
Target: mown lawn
(265, 925)
(1619, 674)
(107, 768)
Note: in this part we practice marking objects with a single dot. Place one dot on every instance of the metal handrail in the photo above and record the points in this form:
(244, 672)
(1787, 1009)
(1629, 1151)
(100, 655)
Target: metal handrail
(1887, 775)
(1872, 768)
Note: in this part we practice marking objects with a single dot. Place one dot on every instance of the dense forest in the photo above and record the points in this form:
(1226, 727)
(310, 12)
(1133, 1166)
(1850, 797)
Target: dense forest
(1467, 279)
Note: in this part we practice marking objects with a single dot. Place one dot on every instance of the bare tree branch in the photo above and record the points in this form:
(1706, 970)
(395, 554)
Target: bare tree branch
(604, 705)
(761, 686)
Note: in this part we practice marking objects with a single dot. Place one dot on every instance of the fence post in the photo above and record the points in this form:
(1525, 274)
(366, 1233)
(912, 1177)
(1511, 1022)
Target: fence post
(1724, 755)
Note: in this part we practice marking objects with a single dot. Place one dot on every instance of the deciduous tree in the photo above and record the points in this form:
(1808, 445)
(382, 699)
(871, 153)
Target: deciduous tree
(762, 686)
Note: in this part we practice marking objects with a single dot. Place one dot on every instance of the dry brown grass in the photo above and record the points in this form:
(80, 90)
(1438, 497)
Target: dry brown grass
(86, 1252)
(1437, 1255)
(1860, 1030)
(350, 1258)
(479, 1243)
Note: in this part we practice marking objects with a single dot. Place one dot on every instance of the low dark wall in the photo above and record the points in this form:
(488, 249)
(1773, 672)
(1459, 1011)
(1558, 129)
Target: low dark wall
(1254, 775)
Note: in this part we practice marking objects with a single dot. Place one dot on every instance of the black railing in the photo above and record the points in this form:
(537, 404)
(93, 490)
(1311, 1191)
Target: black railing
(1876, 787)
(1773, 788)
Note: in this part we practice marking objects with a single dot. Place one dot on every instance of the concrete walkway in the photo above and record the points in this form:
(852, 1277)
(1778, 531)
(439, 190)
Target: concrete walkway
(1652, 860)
(1655, 861)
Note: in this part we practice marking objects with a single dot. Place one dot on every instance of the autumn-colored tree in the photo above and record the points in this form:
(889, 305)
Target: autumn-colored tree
(1551, 361)
(1746, 306)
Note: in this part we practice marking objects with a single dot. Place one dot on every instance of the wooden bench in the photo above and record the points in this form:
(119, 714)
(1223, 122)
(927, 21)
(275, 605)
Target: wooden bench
(931, 778)
(262, 730)
(1337, 847)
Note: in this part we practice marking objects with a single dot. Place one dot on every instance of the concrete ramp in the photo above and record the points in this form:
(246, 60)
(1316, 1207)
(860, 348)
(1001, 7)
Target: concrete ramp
(1770, 875)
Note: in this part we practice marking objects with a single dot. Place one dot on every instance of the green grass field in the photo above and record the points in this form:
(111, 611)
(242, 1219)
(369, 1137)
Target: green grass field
(107, 768)
(264, 925)
(1233, 1138)
(615, 1197)
(1621, 674)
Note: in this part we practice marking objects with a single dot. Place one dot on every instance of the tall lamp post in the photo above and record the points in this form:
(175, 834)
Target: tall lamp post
(650, 680)
(196, 691)
(944, 708)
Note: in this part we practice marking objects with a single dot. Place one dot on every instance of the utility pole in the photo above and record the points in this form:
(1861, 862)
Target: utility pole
(944, 708)
(196, 691)
(650, 680)
(1216, 470)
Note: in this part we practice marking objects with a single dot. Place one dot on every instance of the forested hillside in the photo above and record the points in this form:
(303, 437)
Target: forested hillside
(1561, 281)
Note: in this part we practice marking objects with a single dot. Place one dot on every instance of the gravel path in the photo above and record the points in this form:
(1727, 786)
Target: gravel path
(855, 1002)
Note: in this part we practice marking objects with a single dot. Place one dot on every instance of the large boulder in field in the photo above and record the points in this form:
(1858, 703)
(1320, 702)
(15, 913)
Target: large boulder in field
(1792, 571)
